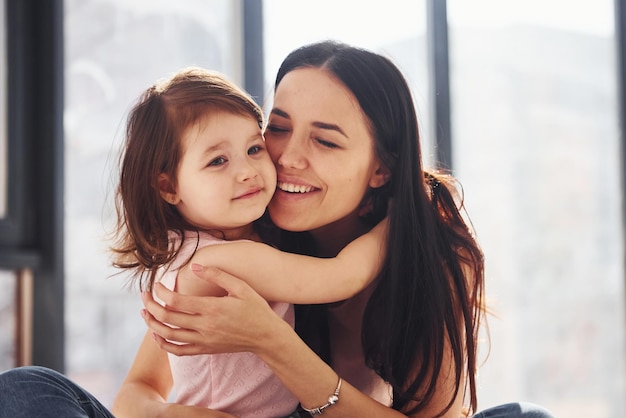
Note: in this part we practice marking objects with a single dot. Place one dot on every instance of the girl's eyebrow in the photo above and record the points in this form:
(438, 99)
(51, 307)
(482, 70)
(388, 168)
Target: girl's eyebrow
(214, 147)
(321, 125)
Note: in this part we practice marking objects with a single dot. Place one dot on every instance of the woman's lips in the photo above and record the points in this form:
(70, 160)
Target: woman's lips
(294, 188)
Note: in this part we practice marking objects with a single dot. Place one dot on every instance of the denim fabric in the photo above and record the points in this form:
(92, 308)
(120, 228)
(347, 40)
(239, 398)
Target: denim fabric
(515, 410)
(34, 391)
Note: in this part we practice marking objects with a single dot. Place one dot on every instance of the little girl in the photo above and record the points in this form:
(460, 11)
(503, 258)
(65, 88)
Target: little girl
(195, 172)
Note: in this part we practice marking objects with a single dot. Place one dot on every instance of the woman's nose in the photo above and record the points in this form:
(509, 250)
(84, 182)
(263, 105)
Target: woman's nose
(293, 154)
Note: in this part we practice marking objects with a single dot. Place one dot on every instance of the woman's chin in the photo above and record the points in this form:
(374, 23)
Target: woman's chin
(288, 217)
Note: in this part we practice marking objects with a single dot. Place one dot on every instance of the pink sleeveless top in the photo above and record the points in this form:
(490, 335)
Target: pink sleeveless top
(238, 383)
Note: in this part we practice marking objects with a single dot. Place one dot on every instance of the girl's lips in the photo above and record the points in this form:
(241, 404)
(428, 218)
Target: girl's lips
(250, 193)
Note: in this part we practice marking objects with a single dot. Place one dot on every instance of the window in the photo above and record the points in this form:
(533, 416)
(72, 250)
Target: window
(8, 321)
(395, 28)
(4, 158)
(114, 49)
(536, 147)
(30, 173)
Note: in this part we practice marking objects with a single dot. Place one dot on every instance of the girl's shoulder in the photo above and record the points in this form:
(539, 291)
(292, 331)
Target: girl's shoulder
(186, 244)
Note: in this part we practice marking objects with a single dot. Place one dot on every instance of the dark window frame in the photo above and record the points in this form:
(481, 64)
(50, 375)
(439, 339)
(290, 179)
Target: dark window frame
(253, 52)
(439, 76)
(31, 233)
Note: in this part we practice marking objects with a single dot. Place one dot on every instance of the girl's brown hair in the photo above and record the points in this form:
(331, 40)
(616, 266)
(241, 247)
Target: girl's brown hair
(155, 127)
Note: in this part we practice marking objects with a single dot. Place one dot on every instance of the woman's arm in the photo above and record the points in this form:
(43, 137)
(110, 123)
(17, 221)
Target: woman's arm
(445, 386)
(243, 321)
(312, 381)
(147, 385)
(286, 277)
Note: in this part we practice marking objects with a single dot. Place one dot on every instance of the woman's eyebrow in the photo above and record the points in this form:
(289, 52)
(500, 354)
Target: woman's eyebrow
(329, 126)
(280, 113)
(321, 125)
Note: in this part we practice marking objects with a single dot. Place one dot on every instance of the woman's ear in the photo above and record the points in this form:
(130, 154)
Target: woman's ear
(380, 177)
(167, 189)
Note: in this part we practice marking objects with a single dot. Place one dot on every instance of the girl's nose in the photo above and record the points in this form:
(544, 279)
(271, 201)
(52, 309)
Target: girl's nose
(245, 171)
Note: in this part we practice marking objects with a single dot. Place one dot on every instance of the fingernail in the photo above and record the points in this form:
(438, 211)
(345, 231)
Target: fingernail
(143, 313)
(196, 267)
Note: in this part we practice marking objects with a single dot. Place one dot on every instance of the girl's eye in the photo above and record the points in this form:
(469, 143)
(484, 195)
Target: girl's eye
(218, 161)
(255, 149)
(326, 144)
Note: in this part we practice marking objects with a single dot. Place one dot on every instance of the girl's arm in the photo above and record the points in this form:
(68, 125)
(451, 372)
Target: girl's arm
(286, 277)
(243, 321)
(147, 385)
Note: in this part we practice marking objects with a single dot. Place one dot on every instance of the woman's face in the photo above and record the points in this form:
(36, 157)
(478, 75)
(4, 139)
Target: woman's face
(320, 142)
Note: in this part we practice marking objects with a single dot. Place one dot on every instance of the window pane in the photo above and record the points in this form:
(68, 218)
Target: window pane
(397, 30)
(4, 162)
(114, 50)
(7, 320)
(537, 151)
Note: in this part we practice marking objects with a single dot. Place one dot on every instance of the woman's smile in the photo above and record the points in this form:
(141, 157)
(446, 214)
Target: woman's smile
(294, 188)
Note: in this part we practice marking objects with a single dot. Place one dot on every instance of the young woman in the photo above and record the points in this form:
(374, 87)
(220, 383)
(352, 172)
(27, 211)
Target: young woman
(406, 344)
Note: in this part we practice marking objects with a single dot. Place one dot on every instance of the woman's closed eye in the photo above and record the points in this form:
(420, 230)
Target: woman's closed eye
(275, 129)
(326, 144)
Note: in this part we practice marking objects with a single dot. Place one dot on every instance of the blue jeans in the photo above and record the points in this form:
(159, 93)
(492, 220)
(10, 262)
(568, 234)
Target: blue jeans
(39, 392)
(34, 391)
(515, 410)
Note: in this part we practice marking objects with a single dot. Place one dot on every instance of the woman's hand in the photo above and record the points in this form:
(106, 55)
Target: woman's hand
(240, 321)
(243, 321)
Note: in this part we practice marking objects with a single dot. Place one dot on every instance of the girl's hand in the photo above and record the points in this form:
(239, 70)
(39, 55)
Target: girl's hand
(240, 321)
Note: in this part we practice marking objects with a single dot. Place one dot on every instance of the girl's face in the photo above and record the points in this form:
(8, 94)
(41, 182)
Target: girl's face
(320, 142)
(225, 177)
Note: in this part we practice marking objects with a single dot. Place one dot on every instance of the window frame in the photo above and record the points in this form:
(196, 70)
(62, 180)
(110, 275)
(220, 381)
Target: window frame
(31, 233)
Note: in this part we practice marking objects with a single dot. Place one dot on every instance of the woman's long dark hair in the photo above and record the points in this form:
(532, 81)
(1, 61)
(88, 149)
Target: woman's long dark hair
(430, 295)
